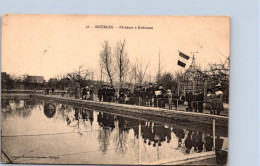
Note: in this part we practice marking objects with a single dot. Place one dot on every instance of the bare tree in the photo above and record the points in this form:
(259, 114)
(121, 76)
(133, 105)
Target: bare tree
(106, 60)
(122, 61)
(141, 71)
(132, 76)
(80, 74)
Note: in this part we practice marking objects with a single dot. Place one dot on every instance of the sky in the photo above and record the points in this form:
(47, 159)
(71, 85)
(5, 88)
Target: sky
(50, 45)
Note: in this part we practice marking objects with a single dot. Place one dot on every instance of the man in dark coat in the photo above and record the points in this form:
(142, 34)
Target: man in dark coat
(100, 94)
(84, 94)
(189, 99)
(195, 102)
(104, 93)
(150, 94)
(200, 101)
(161, 97)
(112, 93)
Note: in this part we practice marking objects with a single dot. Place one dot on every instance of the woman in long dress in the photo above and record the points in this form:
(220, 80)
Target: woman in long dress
(218, 100)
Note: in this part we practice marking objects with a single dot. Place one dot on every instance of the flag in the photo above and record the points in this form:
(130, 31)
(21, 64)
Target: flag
(182, 59)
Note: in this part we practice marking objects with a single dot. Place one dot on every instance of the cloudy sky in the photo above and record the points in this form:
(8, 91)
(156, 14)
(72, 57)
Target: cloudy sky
(49, 45)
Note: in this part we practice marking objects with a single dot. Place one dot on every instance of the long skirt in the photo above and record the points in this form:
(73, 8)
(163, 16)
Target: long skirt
(218, 105)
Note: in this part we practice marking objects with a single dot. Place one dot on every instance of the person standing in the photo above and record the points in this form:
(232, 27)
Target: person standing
(209, 101)
(200, 101)
(161, 97)
(99, 93)
(169, 97)
(112, 94)
(77, 92)
(84, 93)
(104, 93)
(189, 100)
(218, 99)
(91, 92)
(150, 93)
(195, 102)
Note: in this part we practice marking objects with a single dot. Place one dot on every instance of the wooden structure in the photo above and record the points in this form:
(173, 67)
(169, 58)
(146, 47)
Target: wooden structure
(195, 79)
(192, 80)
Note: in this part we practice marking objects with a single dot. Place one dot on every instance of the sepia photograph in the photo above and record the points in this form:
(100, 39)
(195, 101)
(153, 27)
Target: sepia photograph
(115, 89)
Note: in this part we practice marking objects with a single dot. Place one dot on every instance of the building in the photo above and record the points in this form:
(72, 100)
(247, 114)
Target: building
(195, 79)
(35, 79)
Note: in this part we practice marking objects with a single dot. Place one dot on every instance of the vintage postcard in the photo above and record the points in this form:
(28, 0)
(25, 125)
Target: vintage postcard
(128, 90)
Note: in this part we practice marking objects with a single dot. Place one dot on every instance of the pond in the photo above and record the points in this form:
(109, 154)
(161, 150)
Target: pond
(46, 132)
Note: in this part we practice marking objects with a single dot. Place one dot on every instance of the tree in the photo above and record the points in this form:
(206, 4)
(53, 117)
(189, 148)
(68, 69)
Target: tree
(167, 80)
(79, 75)
(140, 71)
(106, 60)
(132, 75)
(122, 61)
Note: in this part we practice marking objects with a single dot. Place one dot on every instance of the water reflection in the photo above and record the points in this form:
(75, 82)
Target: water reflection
(49, 109)
(110, 134)
(21, 108)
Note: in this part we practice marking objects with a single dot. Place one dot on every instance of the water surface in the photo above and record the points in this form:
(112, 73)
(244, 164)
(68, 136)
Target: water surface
(40, 131)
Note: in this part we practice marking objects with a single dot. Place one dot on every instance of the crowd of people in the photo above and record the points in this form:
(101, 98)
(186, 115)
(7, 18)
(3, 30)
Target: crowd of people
(156, 96)
(153, 95)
